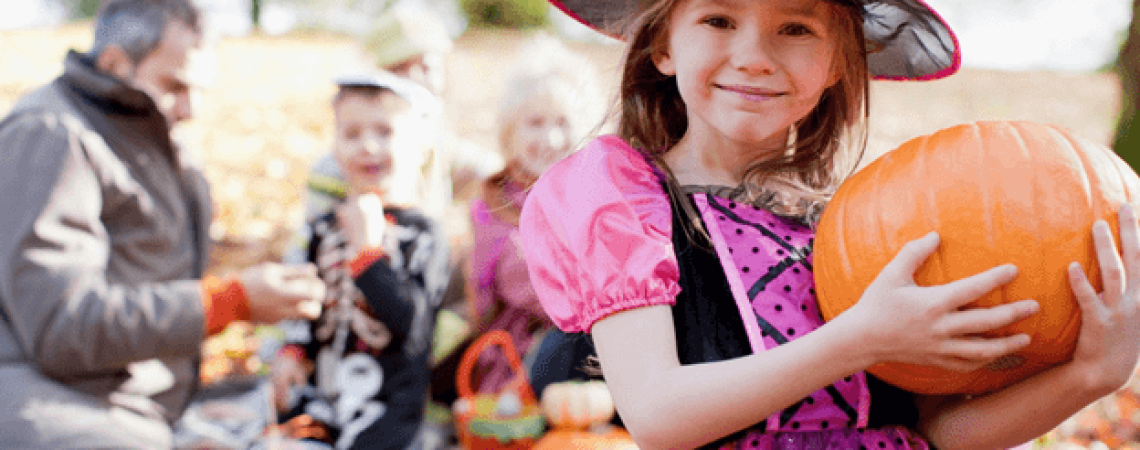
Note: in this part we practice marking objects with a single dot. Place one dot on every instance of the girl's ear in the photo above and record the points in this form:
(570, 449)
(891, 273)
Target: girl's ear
(664, 62)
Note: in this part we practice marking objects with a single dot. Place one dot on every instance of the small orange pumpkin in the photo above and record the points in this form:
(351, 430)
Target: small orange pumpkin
(996, 192)
(577, 404)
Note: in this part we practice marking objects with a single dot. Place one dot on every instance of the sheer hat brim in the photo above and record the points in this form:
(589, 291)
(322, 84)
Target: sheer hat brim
(907, 39)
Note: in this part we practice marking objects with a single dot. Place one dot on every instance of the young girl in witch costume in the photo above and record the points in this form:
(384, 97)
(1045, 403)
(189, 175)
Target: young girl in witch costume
(683, 244)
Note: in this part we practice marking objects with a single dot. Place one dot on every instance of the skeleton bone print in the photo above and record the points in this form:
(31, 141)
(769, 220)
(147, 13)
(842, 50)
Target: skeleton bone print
(370, 344)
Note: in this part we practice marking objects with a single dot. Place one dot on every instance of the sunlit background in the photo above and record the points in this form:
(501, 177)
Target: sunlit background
(1063, 35)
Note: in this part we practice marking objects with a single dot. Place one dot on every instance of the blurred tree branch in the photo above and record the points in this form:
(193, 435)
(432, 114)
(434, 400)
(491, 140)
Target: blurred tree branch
(255, 13)
(1127, 140)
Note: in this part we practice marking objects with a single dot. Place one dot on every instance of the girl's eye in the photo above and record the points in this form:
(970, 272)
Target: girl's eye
(796, 29)
(352, 133)
(384, 131)
(717, 22)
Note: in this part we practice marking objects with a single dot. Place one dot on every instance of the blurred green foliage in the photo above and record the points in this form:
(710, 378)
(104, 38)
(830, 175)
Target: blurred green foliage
(82, 9)
(506, 13)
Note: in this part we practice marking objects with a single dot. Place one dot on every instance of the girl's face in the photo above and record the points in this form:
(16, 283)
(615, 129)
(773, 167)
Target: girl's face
(377, 145)
(747, 70)
(542, 135)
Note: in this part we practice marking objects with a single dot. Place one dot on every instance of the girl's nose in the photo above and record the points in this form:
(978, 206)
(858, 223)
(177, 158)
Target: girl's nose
(754, 54)
(556, 137)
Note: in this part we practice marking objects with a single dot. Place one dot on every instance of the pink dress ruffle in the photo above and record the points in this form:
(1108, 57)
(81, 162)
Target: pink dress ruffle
(596, 233)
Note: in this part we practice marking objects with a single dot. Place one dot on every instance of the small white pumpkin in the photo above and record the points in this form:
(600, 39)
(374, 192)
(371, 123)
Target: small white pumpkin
(508, 405)
(576, 404)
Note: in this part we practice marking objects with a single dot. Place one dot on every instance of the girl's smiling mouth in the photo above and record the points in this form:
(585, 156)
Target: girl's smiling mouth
(750, 93)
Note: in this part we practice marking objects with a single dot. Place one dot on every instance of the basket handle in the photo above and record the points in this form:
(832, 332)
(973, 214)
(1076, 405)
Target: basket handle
(471, 356)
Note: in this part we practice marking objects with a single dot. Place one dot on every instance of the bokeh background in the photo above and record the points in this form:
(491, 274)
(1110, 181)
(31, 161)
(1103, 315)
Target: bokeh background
(266, 115)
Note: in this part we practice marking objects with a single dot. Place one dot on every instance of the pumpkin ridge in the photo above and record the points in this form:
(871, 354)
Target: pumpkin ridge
(1022, 145)
(1089, 181)
(848, 270)
(1021, 139)
(985, 196)
(1082, 169)
(936, 262)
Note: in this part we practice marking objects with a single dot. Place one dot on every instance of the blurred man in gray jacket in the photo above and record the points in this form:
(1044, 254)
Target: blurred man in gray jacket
(103, 301)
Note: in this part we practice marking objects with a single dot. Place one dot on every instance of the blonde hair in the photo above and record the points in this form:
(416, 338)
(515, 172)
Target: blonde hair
(829, 140)
(546, 69)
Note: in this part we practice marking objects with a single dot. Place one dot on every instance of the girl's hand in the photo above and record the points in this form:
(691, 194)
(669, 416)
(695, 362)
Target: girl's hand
(1109, 343)
(907, 323)
(363, 222)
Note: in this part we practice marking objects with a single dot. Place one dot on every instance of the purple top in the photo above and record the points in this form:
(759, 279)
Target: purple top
(768, 262)
(502, 297)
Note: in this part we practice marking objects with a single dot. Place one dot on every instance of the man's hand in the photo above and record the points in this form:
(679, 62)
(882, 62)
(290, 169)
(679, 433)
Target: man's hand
(276, 292)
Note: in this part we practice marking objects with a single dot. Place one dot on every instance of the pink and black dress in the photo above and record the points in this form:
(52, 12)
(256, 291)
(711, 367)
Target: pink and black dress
(601, 236)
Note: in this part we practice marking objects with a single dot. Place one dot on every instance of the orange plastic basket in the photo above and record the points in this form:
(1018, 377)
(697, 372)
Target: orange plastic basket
(479, 425)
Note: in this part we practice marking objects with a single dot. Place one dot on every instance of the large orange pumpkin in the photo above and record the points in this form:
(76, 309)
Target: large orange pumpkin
(996, 192)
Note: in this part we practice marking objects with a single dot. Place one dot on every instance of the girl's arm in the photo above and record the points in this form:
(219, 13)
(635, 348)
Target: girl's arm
(1010, 417)
(1105, 358)
(667, 405)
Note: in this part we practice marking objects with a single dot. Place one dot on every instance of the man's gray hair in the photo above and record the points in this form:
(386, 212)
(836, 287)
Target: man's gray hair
(137, 26)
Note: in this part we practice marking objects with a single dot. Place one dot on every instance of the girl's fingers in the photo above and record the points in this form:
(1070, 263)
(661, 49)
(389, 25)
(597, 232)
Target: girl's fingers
(1130, 243)
(957, 364)
(1111, 267)
(966, 290)
(981, 320)
(1091, 305)
(911, 256)
(983, 350)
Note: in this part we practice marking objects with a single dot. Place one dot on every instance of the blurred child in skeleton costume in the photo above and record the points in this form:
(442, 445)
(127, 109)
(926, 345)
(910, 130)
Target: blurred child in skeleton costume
(361, 369)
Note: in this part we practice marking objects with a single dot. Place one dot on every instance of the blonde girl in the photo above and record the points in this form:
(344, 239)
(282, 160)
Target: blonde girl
(550, 102)
(683, 245)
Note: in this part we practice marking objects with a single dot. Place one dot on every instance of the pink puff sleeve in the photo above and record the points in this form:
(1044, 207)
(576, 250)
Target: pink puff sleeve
(596, 232)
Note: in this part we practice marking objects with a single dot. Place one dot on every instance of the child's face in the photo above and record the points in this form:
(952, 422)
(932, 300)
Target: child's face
(377, 144)
(542, 135)
(749, 69)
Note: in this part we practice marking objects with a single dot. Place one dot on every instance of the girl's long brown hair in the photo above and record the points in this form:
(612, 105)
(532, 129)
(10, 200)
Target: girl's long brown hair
(830, 140)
